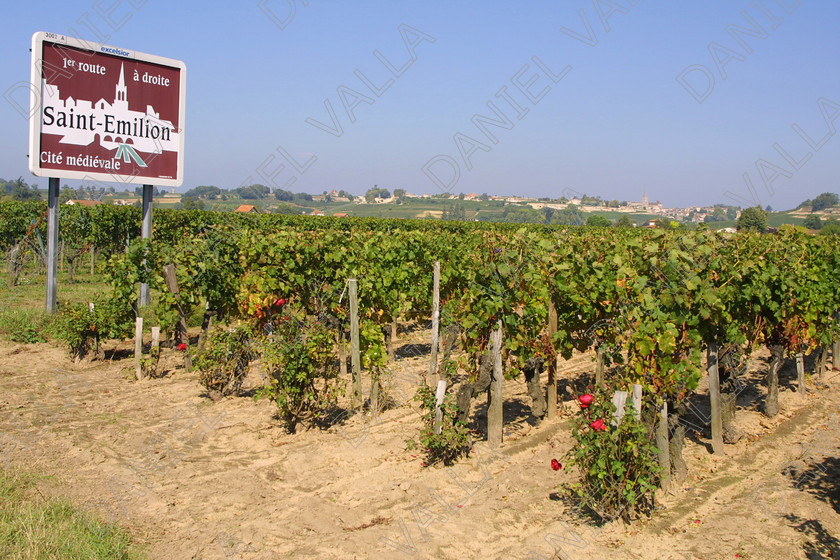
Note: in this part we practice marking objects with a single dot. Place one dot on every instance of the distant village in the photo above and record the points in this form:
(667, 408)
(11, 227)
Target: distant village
(696, 214)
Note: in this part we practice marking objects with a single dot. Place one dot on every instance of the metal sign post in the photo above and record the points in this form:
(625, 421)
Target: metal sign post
(146, 233)
(52, 244)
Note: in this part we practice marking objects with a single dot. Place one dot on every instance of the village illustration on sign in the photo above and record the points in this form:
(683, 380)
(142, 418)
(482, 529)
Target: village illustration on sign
(81, 122)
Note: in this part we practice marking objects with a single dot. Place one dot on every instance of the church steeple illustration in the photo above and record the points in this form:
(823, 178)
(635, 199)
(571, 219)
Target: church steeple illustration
(121, 90)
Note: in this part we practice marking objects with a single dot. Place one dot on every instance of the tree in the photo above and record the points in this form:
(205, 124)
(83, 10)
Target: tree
(831, 227)
(252, 192)
(753, 219)
(624, 222)
(66, 193)
(139, 191)
(548, 213)
(190, 203)
(21, 191)
(813, 222)
(285, 196)
(484, 197)
(569, 216)
(454, 212)
(376, 192)
(719, 215)
(204, 191)
(597, 220)
(823, 201)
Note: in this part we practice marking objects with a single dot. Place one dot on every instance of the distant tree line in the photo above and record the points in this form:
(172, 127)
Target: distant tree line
(822, 202)
(18, 190)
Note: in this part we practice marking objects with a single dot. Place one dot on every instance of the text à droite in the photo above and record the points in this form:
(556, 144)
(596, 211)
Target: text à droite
(147, 78)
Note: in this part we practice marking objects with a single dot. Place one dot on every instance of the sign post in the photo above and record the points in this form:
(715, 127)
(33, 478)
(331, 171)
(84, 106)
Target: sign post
(52, 244)
(101, 113)
(146, 233)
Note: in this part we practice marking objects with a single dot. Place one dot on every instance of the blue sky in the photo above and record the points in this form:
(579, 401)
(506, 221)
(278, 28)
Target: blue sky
(618, 123)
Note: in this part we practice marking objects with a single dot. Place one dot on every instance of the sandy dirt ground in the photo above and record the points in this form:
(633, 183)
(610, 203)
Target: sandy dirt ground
(196, 479)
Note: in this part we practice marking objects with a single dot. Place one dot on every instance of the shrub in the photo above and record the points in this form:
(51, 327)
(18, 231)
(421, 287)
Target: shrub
(453, 441)
(84, 329)
(301, 360)
(223, 363)
(618, 465)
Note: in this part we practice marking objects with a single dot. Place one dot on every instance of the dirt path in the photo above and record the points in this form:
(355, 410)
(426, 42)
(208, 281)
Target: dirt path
(197, 479)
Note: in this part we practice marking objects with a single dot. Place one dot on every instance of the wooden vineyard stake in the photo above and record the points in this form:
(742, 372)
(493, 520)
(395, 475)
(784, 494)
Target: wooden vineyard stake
(551, 388)
(771, 402)
(342, 353)
(714, 397)
(439, 396)
(800, 372)
(154, 353)
(206, 324)
(138, 347)
(433, 356)
(355, 357)
(155, 338)
(662, 446)
(835, 355)
(822, 361)
(599, 368)
(183, 336)
(392, 341)
(637, 401)
(619, 399)
(495, 416)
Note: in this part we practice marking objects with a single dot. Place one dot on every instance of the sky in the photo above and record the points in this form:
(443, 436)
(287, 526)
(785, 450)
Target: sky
(695, 103)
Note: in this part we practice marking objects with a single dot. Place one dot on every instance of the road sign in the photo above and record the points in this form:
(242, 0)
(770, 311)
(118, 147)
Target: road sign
(104, 113)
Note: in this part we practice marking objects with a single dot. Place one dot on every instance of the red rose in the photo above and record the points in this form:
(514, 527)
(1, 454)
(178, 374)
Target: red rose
(182, 347)
(555, 464)
(586, 400)
(598, 425)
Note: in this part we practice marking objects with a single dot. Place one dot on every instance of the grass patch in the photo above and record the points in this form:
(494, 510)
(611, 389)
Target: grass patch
(27, 326)
(31, 293)
(36, 528)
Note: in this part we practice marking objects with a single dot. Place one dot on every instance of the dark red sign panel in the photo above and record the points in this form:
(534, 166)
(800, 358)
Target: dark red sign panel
(105, 114)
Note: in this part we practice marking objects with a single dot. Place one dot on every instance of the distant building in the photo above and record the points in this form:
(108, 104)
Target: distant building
(88, 203)
(341, 215)
(247, 209)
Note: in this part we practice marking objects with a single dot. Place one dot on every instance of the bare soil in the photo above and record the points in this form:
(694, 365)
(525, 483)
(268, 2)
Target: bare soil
(223, 479)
